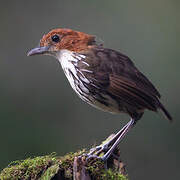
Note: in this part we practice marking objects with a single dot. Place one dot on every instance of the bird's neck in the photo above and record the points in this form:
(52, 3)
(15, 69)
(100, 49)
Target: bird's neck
(64, 56)
(69, 61)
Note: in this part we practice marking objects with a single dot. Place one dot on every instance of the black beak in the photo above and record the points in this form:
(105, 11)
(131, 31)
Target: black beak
(38, 50)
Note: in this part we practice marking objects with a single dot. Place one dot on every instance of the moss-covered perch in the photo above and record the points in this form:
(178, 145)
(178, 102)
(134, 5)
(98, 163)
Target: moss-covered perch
(71, 166)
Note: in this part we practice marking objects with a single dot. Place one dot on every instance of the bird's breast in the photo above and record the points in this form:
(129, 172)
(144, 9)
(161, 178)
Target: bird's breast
(84, 86)
(69, 62)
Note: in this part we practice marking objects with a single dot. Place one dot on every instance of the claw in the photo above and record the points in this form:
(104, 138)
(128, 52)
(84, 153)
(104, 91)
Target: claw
(93, 157)
(99, 149)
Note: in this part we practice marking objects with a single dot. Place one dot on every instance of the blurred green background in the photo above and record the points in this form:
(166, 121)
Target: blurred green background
(40, 113)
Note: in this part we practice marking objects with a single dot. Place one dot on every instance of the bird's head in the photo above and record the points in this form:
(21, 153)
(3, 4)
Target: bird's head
(63, 39)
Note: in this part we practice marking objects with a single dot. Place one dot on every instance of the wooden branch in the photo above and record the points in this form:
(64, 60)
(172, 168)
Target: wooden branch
(79, 169)
(72, 166)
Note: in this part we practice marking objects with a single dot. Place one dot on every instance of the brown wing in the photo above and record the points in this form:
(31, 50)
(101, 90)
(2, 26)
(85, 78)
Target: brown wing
(129, 92)
(129, 84)
(123, 67)
(117, 75)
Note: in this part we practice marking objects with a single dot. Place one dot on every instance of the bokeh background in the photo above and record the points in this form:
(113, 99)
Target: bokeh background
(40, 113)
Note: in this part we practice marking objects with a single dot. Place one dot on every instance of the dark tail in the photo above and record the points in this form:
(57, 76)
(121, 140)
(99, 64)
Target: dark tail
(165, 112)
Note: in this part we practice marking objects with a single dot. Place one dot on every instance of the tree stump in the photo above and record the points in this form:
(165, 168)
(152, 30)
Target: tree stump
(72, 166)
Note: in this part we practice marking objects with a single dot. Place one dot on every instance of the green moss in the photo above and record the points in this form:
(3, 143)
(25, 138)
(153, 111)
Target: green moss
(66, 162)
(96, 169)
(98, 172)
(51, 172)
(111, 175)
(30, 168)
(47, 167)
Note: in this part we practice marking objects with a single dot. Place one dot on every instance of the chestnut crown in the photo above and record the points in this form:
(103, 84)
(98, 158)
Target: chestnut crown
(67, 39)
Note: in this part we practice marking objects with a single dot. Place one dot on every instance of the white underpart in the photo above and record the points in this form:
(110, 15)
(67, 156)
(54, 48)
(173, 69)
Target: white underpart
(68, 62)
(112, 108)
(83, 78)
(85, 70)
(85, 63)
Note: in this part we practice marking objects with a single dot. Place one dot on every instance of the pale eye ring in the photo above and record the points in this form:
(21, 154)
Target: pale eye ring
(55, 38)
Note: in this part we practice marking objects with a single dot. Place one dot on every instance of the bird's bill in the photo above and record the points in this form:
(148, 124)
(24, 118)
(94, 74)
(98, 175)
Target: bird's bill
(38, 50)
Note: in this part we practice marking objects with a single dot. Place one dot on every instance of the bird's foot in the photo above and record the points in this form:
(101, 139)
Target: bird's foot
(90, 157)
(103, 148)
(107, 148)
(98, 150)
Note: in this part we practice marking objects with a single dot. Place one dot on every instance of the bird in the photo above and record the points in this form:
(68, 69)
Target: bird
(104, 78)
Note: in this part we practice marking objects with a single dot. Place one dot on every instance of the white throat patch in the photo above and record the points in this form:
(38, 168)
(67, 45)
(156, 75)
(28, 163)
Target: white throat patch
(69, 61)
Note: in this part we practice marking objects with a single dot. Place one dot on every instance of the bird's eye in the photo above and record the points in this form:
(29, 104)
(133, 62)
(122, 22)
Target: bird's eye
(55, 38)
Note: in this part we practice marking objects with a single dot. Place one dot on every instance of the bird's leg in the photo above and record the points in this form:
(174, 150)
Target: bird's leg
(111, 144)
(105, 145)
(121, 134)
